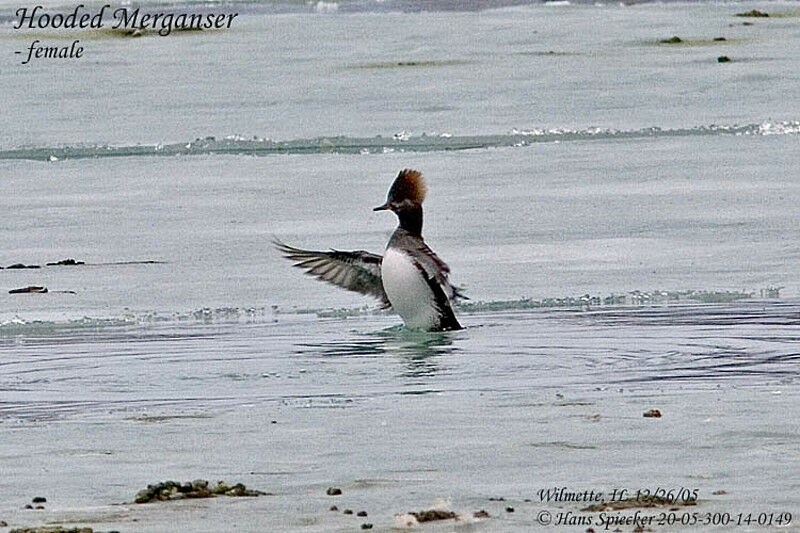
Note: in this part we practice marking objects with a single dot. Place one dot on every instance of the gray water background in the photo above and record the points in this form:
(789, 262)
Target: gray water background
(567, 152)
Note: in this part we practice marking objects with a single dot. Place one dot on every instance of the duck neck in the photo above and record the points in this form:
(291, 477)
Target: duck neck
(411, 220)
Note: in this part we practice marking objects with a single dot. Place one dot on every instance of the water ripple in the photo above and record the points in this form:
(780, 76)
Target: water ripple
(401, 142)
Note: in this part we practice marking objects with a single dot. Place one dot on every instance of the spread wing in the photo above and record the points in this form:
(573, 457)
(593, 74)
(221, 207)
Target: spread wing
(357, 271)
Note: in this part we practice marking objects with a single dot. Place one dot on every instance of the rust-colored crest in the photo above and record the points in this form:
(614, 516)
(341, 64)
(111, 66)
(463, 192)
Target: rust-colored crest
(410, 185)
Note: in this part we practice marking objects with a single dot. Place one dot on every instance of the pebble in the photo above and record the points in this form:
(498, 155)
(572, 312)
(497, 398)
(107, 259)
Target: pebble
(366, 525)
(509, 509)
(361, 513)
(348, 511)
(723, 59)
(652, 413)
(333, 491)
(334, 508)
(39, 499)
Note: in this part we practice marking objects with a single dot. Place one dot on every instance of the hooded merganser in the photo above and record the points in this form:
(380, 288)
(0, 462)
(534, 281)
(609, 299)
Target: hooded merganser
(410, 278)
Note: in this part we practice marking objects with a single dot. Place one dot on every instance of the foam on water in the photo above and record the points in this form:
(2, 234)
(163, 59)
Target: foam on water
(402, 142)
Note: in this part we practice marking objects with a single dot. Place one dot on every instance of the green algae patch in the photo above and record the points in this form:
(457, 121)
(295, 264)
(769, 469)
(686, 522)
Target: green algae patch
(753, 13)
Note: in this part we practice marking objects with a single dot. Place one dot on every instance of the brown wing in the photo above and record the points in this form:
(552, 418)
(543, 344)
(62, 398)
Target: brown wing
(438, 270)
(357, 271)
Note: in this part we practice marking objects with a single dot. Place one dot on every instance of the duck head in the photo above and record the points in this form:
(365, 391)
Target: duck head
(405, 199)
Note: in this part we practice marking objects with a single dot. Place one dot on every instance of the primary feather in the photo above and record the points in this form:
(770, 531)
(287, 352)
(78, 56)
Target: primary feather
(357, 271)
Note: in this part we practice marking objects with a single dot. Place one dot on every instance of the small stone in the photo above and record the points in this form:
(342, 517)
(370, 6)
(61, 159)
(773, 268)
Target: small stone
(361, 513)
(719, 492)
(3, 523)
(481, 514)
(509, 509)
(500, 499)
(348, 511)
(29, 506)
(723, 59)
(672, 40)
(366, 525)
(333, 491)
(652, 413)
(719, 39)
(333, 508)
(20, 265)
(39, 499)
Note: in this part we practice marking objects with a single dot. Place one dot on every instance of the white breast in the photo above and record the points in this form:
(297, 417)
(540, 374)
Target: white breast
(408, 292)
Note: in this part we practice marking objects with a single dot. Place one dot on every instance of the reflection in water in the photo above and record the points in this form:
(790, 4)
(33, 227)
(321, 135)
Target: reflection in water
(418, 348)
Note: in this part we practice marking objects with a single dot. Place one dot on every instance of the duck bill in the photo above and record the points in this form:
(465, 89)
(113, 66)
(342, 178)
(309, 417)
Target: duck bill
(383, 207)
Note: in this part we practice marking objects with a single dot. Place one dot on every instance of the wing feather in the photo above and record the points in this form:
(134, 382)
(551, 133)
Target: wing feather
(437, 269)
(357, 271)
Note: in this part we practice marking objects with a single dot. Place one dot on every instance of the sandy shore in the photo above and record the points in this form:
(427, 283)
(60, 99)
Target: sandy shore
(473, 452)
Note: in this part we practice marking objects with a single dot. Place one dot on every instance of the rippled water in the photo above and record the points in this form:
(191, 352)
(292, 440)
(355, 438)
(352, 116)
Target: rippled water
(83, 370)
